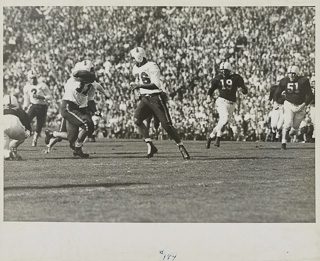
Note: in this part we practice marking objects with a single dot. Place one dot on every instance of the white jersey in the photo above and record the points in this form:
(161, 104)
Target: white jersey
(39, 89)
(79, 93)
(147, 73)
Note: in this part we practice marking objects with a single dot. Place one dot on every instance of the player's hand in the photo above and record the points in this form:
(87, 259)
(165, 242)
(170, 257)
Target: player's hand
(134, 85)
(301, 107)
(97, 113)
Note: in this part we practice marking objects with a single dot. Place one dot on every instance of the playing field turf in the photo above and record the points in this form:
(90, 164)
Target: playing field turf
(248, 182)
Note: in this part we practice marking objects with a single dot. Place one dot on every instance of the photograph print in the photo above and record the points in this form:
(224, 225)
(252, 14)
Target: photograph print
(159, 114)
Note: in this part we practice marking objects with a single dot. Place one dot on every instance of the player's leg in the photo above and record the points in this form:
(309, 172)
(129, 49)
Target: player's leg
(275, 115)
(312, 116)
(53, 137)
(32, 112)
(288, 115)
(297, 119)
(142, 112)
(161, 111)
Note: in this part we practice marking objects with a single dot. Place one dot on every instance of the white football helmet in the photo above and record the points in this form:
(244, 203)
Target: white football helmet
(85, 65)
(313, 81)
(10, 102)
(138, 54)
(32, 74)
(225, 68)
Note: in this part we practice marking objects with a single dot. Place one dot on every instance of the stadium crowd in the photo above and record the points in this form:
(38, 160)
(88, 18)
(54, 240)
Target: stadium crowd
(188, 43)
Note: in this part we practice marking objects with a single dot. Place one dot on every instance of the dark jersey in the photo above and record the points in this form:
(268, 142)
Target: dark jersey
(227, 86)
(272, 91)
(21, 114)
(297, 91)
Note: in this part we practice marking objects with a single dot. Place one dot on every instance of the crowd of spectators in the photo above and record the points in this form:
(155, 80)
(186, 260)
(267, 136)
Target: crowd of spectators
(188, 43)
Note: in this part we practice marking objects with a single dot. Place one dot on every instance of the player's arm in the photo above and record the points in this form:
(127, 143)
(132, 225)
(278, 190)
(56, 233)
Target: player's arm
(278, 91)
(309, 94)
(214, 86)
(244, 88)
(47, 93)
(100, 89)
(84, 76)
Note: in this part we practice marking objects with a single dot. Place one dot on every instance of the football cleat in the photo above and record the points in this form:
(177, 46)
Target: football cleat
(151, 150)
(34, 143)
(49, 135)
(46, 150)
(283, 146)
(72, 146)
(217, 143)
(208, 143)
(184, 152)
(14, 155)
(78, 152)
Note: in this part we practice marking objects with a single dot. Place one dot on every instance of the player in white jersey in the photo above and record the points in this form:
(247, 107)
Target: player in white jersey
(53, 137)
(36, 97)
(75, 105)
(153, 100)
(16, 127)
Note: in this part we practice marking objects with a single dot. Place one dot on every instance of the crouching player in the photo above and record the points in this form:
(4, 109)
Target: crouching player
(17, 127)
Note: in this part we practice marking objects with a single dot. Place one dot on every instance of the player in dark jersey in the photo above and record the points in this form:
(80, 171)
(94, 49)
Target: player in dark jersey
(227, 83)
(298, 95)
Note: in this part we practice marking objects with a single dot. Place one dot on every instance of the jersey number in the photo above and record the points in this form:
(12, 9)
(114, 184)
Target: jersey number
(144, 77)
(34, 91)
(226, 84)
(293, 87)
(84, 88)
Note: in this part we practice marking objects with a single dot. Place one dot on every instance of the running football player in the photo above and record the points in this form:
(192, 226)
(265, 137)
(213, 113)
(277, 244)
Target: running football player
(16, 127)
(36, 97)
(276, 115)
(75, 104)
(298, 95)
(153, 101)
(227, 83)
(53, 137)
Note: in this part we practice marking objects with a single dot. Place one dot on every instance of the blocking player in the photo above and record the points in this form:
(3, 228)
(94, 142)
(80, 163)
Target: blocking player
(298, 95)
(75, 104)
(36, 97)
(227, 83)
(276, 115)
(53, 137)
(16, 127)
(153, 101)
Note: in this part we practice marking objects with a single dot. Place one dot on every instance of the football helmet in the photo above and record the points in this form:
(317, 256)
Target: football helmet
(10, 102)
(313, 80)
(85, 65)
(225, 68)
(32, 74)
(138, 54)
(292, 72)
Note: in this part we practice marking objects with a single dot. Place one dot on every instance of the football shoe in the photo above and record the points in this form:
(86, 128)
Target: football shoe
(283, 146)
(151, 150)
(217, 143)
(78, 152)
(184, 152)
(49, 135)
(34, 143)
(14, 155)
(208, 143)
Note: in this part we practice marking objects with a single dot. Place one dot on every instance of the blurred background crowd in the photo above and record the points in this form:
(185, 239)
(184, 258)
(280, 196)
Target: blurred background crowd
(188, 44)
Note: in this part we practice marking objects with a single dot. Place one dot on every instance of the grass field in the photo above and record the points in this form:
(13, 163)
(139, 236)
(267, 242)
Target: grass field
(241, 182)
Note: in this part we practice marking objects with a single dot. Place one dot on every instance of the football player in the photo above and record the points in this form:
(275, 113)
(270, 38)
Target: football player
(17, 127)
(83, 76)
(298, 95)
(153, 101)
(36, 97)
(53, 137)
(276, 115)
(75, 104)
(227, 83)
